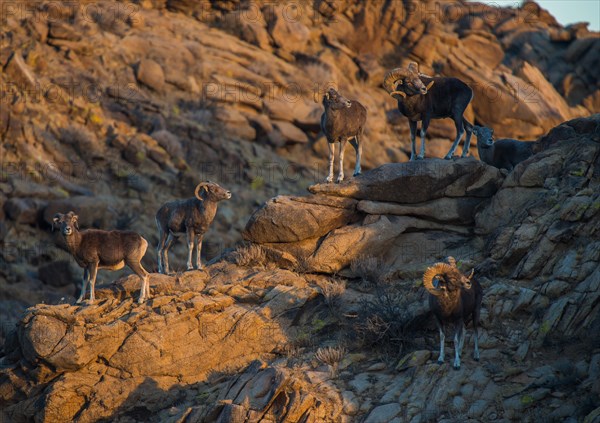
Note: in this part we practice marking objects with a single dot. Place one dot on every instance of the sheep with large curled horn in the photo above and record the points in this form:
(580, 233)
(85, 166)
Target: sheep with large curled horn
(454, 299)
(191, 216)
(422, 98)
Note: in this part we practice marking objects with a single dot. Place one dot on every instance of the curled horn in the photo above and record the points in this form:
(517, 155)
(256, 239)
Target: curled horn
(430, 274)
(390, 80)
(198, 188)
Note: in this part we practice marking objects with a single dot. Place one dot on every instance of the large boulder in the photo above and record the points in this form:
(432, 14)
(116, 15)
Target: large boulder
(291, 219)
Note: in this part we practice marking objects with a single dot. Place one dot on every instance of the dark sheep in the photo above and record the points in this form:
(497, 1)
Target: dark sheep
(422, 98)
(454, 300)
(504, 153)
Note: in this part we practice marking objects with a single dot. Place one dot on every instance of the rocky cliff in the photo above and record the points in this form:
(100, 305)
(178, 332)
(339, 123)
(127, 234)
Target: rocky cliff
(246, 340)
(110, 109)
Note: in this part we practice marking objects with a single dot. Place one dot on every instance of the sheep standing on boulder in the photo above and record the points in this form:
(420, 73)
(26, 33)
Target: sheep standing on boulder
(422, 98)
(191, 216)
(504, 153)
(455, 299)
(342, 121)
(95, 249)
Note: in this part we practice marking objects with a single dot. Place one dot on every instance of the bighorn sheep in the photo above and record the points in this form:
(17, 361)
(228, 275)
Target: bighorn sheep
(455, 300)
(95, 249)
(342, 121)
(192, 216)
(505, 153)
(422, 98)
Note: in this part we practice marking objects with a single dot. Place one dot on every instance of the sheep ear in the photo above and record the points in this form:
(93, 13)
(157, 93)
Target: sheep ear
(76, 221)
(56, 218)
(429, 85)
(492, 131)
(413, 67)
(471, 274)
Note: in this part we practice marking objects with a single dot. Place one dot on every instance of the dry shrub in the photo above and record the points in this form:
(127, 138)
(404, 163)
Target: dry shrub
(386, 320)
(332, 290)
(251, 255)
(371, 270)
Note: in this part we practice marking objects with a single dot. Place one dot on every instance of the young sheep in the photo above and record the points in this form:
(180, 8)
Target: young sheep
(192, 216)
(422, 98)
(455, 299)
(505, 153)
(95, 249)
(342, 121)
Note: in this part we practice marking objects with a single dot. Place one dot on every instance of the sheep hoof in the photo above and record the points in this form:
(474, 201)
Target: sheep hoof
(440, 362)
(329, 180)
(419, 157)
(456, 367)
(448, 157)
(356, 174)
(141, 300)
(476, 358)
(79, 301)
(338, 180)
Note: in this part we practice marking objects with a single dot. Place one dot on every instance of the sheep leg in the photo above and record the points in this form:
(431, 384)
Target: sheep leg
(190, 242)
(460, 130)
(84, 282)
(476, 332)
(442, 340)
(139, 270)
(340, 177)
(459, 338)
(168, 243)
(413, 139)
(162, 238)
(469, 128)
(93, 273)
(355, 142)
(198, 242)
(331, 147)
(424, 126)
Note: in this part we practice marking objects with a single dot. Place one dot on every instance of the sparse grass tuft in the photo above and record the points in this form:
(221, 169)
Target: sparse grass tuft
(332, 356)
(251, 255)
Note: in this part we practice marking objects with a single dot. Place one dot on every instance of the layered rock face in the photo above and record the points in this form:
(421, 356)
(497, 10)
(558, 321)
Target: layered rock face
(406, 213)
(238, 342)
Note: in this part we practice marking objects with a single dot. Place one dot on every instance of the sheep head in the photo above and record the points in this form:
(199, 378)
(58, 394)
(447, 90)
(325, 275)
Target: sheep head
(484, 135)
(335, 101)
(448, 276)
(67, 223)
(405, 81)
(211, 191)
